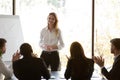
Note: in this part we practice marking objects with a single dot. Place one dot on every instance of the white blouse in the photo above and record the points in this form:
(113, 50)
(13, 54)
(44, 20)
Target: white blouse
(48, 37)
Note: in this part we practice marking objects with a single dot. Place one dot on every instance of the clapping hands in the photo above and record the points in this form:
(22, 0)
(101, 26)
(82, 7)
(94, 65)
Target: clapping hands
(99, 60)
(16, 56)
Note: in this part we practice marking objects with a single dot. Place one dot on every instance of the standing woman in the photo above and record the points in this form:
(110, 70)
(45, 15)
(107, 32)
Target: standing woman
(50, 42)
(79, 67)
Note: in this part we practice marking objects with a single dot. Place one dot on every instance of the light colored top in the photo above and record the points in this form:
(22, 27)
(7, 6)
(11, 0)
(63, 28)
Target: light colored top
(48, 37)
(5, 72)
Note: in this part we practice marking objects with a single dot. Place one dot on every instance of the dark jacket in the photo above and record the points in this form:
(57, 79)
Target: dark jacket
(79, 69)
(30, 69)
(114, 73)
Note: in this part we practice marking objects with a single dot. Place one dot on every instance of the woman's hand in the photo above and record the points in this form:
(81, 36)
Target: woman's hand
(99, 60)
(16, 56)
(50, 47)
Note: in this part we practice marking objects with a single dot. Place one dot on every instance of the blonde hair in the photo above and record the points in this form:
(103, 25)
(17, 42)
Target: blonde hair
(56, 22)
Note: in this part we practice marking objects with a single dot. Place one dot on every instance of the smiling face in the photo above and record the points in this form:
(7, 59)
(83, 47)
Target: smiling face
(51, 20)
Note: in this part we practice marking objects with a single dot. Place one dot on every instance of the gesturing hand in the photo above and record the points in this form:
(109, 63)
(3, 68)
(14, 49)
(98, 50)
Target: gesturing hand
(99, 60)
(16, 56)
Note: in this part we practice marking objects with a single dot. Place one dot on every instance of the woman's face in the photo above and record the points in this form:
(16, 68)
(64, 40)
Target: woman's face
(51, 20)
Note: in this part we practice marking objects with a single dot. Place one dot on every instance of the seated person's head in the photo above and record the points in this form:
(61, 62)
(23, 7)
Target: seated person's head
(2, 45)
(116, 42)
(76, 50)
(26, 50)
(115, 45)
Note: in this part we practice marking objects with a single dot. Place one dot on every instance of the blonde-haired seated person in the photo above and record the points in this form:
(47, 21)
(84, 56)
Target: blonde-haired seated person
(29, 67)
(5, 72)
(79, 67)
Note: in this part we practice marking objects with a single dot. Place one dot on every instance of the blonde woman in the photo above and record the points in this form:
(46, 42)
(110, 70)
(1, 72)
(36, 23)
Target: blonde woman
(50, 42)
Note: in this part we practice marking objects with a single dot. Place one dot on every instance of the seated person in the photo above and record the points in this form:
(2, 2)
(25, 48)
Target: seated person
(114, 73)
(29, 67)
(78, 67)
(5, 72)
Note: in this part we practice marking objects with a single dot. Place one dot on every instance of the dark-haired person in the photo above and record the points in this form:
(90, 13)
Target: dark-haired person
(29, 67)
(114, 73)
(50, 42)
(4, 70)
(79, 67)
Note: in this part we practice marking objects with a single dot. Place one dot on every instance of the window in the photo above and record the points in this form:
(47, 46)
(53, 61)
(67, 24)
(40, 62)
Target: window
(6, 7)
(106, 26)
(74, 21)
(107, 22)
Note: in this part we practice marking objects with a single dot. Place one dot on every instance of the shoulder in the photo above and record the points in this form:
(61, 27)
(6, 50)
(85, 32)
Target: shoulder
(28, 61)
(90, 61)
(59, 30)
(117, 61)
(18, 61)
(70, 60)
(38, 60)
(35, 59)
(118, 58)
(73, 61)
(44, 29)
(1, 62)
